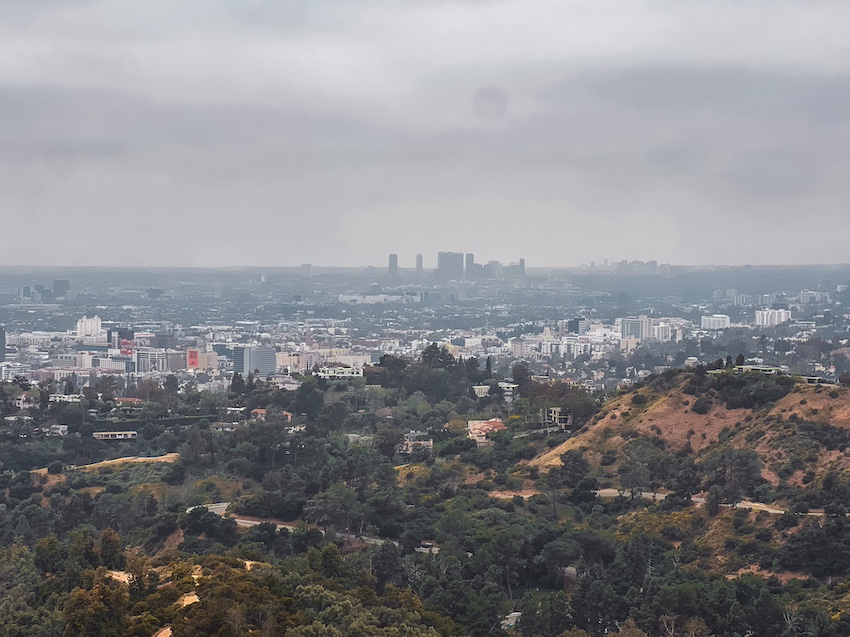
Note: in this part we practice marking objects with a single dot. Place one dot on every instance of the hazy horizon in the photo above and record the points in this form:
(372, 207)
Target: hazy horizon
(407, 268)
(267, 134)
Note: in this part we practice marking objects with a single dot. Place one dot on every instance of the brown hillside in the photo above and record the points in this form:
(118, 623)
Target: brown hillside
(777, 432)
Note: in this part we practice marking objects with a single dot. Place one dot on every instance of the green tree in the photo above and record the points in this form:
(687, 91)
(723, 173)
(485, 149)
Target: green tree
(100, 610)
(544, 614)
(23, 611)
(336, 506)
(48, 554)
(237, 384)
(574, 467)
(309, 399)
(111, 549)
(386, 439)
(386, 565)
(438, 357)
(713, 499)
(171, 384)
(522, 376)
(634, 472)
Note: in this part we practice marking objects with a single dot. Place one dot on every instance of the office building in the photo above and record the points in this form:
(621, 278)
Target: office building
(2, 345)
(120, 337)
(201, 359)
(43, 293)
(514, 270)
(392, 270)
(258, 359)
(449, 266)
(420, 264)
(473, 270)
(638, 327)
(151, 360)
(493, 270)
(578, 325)
(239, 359)
(61, 287)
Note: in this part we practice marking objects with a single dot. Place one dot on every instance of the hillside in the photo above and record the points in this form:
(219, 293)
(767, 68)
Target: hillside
(322, 527)
(800, 436)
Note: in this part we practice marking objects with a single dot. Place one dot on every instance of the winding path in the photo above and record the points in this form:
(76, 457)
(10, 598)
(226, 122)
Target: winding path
(220, 508)
(700, 501)
(660, 495)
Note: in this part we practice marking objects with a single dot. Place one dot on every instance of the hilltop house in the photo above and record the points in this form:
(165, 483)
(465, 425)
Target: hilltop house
(415, 441)
(480, 430)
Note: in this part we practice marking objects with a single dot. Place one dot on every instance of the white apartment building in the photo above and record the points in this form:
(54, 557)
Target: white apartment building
(41, 340)
(66, 398)
(573, 345)
(715, 322)
(9, 370)
(771, 318)
(89, 327)
(662, 331)
(809, 296)
(298, 361)
(340, 372)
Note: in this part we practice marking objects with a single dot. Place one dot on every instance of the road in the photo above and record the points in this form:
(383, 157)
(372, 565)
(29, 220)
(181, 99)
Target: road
(220, 508)
(547, 430)
(744, 504)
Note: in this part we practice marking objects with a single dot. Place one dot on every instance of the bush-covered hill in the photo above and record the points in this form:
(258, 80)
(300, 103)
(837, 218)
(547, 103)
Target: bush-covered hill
(793, 437)
(339, 535)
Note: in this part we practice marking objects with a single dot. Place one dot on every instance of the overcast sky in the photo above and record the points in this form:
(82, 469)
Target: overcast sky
(273, 132)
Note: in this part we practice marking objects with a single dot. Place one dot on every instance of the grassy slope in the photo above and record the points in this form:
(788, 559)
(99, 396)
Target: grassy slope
(772, 431)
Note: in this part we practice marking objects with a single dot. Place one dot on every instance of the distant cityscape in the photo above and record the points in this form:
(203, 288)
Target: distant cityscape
(597, 327)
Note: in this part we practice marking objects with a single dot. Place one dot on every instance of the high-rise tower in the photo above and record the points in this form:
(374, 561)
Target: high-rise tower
(449, 265)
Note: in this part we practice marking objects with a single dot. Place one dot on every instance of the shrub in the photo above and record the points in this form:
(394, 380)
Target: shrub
(608, 458)
(702, 405)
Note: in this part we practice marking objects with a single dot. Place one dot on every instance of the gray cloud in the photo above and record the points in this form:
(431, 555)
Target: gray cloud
(816, 99)
(219, 133)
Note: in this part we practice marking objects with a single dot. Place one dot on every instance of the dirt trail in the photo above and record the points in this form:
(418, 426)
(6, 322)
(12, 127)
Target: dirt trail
(53, 478)
(169, 457)
(507, 495)
(120, 576)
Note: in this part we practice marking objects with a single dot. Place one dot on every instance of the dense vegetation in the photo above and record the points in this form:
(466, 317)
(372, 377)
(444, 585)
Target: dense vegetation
(117, 549)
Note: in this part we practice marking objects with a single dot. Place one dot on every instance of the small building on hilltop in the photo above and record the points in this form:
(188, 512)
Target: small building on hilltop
(415, 441)
(480, 430)
(115, 435)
